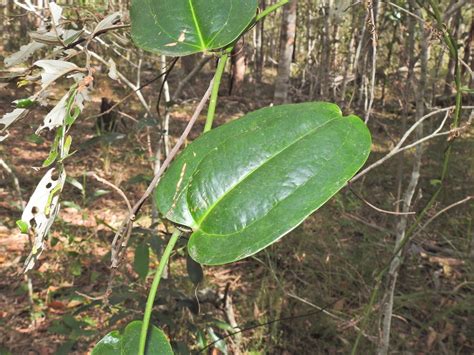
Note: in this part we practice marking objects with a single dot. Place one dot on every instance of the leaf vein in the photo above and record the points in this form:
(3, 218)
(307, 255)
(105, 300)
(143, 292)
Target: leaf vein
(209, 210)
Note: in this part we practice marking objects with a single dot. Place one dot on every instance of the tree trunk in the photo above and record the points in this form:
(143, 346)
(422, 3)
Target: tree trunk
(239, 65)
(401, 228)
(287, 42)
(259, 46)
(325, 60)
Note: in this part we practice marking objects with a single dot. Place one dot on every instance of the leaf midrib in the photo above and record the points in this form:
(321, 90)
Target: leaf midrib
(279, 202)
(209, 210)
(196, 24)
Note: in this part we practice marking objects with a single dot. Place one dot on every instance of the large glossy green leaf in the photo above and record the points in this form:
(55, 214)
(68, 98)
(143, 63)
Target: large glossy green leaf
(247, 183)
(182, 27)
(115, 343)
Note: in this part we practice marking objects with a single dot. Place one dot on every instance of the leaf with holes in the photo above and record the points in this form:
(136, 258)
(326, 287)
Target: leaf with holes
(11, 117)
(183, 27)
(56, 13)
(108, 22)
(51, 37)
(41, 211)
(53, 70)
(244, 185)
(55, 118)
(25, 52)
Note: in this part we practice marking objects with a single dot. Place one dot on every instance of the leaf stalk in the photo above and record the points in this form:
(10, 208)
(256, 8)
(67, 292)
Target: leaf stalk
(154, 288)
(215, 90)
(270, 9)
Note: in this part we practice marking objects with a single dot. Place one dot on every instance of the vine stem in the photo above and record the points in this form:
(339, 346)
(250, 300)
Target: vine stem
(221, 67)
(215, 90)
(154, 288)
(270, 9)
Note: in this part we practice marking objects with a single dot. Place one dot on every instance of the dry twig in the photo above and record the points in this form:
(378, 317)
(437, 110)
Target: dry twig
(123, 234)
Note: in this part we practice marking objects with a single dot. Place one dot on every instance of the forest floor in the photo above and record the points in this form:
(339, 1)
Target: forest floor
(329, 261)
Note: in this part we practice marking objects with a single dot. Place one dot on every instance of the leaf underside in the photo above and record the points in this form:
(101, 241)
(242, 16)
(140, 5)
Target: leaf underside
(183, 27)
(247, 183)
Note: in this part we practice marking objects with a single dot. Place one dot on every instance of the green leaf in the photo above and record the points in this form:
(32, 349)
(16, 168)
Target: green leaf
(109, 345)
(220, 343)
(244, 185)
(23, 226)
(65, 348)
(72, 322)
(435, 182)
(142, 260)
(74, 182)
(183, 27)
(76, 268)
(222, 325)
(195, 273)
(127, 343)
(53, 153)
(201, 339)
(35, 139)
(23, 103)
(67, 145)
(99, 193)
(157, 341)
(71, 204)
(71, 117)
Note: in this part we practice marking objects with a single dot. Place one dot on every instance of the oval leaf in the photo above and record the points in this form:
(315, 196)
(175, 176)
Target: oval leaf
(127, 343)
(247, 183)
(183, 27)
(108, 345)
(157, 341)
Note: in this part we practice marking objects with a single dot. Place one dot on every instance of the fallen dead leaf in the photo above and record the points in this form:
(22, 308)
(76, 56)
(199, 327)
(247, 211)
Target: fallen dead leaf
(56, 305)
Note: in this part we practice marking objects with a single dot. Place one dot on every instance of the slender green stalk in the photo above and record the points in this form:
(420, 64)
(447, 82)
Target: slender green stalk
(215, 90)
(270, 9)
(367, 311)
(221, 67)
(154, 288)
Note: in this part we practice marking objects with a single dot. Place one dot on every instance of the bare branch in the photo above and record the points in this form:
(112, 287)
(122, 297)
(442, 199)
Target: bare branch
(116, 188)
(444, 210)
(190, 76)
(398, 148)
(16, 182)
(123, 233)
(377, 208)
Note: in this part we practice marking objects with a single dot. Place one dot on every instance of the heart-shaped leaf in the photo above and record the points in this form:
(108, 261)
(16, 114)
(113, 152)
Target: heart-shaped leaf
(183, 27)
(247, 183)
(115, 343)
